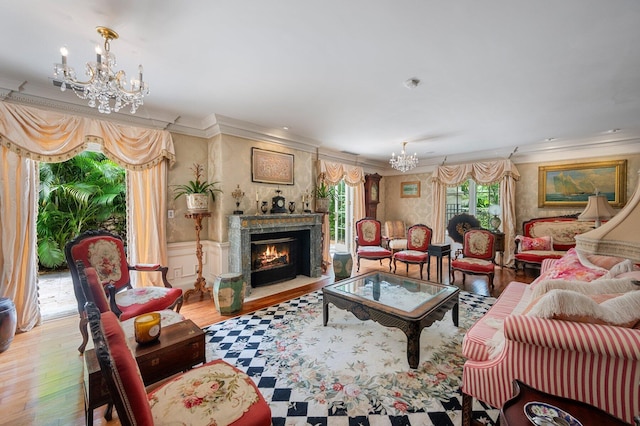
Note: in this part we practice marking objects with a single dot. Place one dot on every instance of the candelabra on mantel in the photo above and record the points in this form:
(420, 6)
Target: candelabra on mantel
(237, 195)
(200, 285)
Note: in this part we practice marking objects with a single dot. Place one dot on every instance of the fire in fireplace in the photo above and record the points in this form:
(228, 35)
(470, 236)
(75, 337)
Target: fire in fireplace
(269, 254)
(279, 256)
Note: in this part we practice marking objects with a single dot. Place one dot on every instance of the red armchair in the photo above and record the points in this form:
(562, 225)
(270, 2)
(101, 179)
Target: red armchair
(369, 241)
(418, 240)
(478, 251)
(105, 252)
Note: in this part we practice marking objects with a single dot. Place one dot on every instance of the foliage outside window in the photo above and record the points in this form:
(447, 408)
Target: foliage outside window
(472, 198)
(85, 192)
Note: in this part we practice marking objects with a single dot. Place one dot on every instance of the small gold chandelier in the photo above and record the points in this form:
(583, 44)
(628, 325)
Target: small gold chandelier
(105, 88)
(403, 162)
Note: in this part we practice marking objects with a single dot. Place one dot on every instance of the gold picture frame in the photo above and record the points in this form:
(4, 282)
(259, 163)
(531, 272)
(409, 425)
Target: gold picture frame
(570, 185)
(271, 167)
(410, 189)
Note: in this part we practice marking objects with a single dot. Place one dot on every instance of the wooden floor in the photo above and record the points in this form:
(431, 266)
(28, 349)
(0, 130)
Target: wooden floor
(41, 372)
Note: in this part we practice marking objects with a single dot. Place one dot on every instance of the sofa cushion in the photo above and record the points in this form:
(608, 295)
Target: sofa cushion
(619, 309)
(537, 256)
(474, 344)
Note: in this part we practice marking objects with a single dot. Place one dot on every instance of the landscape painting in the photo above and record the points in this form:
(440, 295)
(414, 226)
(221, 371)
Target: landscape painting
(571, 185)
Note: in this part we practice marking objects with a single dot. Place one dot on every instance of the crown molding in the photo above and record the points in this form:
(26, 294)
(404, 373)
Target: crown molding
(214, 124)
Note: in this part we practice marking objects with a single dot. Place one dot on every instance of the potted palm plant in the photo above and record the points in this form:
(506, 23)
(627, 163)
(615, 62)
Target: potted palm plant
(323, 194)
(197, 191)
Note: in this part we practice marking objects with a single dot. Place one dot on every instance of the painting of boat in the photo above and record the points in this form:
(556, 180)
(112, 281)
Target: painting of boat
(571, 185)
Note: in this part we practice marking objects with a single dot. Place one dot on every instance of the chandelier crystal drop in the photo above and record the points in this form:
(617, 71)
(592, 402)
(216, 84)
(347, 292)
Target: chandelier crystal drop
(105, 87)
(403, 162)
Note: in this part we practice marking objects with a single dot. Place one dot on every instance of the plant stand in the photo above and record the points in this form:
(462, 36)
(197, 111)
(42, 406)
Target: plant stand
(200, 285)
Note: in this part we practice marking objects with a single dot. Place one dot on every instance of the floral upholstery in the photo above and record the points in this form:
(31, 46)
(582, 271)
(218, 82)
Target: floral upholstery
(547, 238)
(418, 240)
(478, 251)
(216, 390)
(369, 240)
(213, 394)
(94, 292)
(105, 252)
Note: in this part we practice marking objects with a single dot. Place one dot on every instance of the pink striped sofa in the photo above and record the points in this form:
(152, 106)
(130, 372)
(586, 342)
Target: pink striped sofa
(596, 364)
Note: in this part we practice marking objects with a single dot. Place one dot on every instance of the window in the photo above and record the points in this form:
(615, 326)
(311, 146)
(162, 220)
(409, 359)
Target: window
(472, 198)
(340, 217)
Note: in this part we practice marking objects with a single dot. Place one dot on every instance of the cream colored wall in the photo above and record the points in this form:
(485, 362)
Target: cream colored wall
(409, 210)
(235, 167)
(527, 187)
(189, 150)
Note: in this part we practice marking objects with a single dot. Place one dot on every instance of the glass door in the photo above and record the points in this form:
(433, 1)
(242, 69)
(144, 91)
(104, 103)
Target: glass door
(341, 218)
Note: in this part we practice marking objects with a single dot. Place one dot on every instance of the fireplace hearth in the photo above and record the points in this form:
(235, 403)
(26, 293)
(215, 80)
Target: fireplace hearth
(273, 248)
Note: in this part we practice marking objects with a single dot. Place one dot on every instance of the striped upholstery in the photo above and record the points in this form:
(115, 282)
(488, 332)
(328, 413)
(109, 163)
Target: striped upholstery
(596, 364)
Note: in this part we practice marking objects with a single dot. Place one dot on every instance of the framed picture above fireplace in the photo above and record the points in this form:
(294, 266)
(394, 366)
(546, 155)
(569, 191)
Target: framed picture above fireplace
(271, 167)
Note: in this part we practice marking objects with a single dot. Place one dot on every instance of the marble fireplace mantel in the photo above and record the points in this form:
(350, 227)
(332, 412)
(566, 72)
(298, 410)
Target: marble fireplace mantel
(242, 227)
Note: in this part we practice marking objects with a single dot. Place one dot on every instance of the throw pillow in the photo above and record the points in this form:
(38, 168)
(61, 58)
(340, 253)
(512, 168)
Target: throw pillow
(599, 286)
(569, 267)
(621, 310)
(539, 243)
(620, 268)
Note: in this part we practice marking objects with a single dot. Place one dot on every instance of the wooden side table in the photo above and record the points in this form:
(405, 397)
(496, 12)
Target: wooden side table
(200, 285)
(512, 413)
(439, 251)
(499, 246)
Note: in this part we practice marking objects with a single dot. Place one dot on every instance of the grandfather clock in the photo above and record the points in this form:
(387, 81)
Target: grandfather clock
(371, 194)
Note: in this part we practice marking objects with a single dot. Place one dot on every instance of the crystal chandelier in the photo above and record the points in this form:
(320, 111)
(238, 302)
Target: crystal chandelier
(403, 162)
(104, 85)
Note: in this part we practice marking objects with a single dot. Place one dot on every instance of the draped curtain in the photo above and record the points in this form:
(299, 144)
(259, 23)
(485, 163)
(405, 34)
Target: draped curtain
(28, 136)
(503, 171)
(332, 174)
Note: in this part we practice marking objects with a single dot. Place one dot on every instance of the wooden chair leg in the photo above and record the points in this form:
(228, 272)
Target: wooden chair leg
(421, 265)
(467, 412)
(407, 268)
(394, 266)
(84, 332)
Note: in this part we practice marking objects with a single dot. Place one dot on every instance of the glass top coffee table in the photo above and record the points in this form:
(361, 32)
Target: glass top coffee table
(394, 301)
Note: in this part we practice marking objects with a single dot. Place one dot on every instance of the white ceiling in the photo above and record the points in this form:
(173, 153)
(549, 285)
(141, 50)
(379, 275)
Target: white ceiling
(495, 74)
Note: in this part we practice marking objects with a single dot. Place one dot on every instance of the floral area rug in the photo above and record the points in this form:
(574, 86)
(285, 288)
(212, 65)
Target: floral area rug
(350, 372)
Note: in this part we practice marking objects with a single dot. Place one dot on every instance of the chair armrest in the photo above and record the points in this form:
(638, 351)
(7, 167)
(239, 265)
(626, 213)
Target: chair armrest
(601, 340)
(153, 268)
(111, 290)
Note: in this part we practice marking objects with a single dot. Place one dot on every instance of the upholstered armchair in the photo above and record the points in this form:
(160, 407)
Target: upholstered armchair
(105, 252)
(396, 235)
(369, 240)
(214, 393)
(478, 253)
(418, 240)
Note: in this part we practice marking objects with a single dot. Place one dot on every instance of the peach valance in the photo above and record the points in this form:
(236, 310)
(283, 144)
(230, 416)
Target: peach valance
(335, 172)
(485, 172)
(54, 137)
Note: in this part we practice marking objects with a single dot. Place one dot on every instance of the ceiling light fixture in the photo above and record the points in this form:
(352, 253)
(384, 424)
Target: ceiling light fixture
(104, 84)
(412, 83)
(403, 162)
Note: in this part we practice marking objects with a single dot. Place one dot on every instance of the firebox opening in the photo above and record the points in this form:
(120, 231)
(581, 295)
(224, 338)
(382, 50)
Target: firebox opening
(279, 256)
(269, 254)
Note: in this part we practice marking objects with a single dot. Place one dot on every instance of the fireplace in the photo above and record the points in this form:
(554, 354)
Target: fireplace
(274, 248)
(278, 256)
